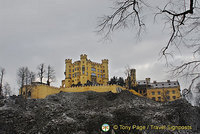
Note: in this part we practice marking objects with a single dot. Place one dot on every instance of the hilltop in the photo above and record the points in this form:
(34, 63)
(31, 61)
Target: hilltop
(85, 112)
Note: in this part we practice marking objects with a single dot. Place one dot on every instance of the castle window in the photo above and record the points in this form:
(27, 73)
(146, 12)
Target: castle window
(174, 83)
(70, 70)
(153, 98)
(159, 98)
(87, 73)
(98, 75)
(93, 74)
(174, 97)
(158, 92)
(103, 71)
(69, 75)
(83, 69)
(98, 70)
(153, 93)
(73, 75)
(73, 70)
(167, 92)
(93, 69)
(103, 76)
(168, 97)
(173, 91)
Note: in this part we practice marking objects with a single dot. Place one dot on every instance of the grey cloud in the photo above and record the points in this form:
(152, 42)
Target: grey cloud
(48, 31)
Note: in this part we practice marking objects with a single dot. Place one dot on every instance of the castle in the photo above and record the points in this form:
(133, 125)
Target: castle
(85, 75)
(157, 91)
(80, 76)
(84, 71)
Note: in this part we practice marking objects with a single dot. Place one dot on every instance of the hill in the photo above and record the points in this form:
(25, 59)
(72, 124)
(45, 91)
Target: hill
(84, 113)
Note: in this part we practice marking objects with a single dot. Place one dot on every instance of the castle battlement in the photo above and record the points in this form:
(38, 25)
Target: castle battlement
(83, 56)
(68, 60)
(105, 61)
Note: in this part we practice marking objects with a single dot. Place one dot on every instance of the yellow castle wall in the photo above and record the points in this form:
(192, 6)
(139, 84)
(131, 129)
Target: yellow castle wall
(163, 93)
(105, 88)
(42, 91)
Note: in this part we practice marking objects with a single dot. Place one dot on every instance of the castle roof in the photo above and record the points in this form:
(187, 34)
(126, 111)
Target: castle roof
(164, 84)
(155, 84)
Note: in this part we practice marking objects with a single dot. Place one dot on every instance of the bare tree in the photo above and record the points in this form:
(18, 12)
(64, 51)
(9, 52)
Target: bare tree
(21, 74)
(31, 77)
(7, 89)
(25, 77)
(50, 74)
(181, 17)
(130, 12)
(41, 71)
(2, 72)
(127, 73)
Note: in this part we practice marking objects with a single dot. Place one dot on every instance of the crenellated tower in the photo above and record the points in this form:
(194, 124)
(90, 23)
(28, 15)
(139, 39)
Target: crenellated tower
(68, 65)
(133, 77)
(83, 77)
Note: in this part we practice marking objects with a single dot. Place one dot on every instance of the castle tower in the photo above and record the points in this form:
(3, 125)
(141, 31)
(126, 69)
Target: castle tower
(105, 70)
(83, 77)
(68, 66)
(133, 77)
(148, 80)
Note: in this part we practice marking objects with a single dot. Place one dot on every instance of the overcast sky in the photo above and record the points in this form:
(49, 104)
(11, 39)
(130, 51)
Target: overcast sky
(50, 31)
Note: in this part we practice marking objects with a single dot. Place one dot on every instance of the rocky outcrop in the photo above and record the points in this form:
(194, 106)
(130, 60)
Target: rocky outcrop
(84, 113)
